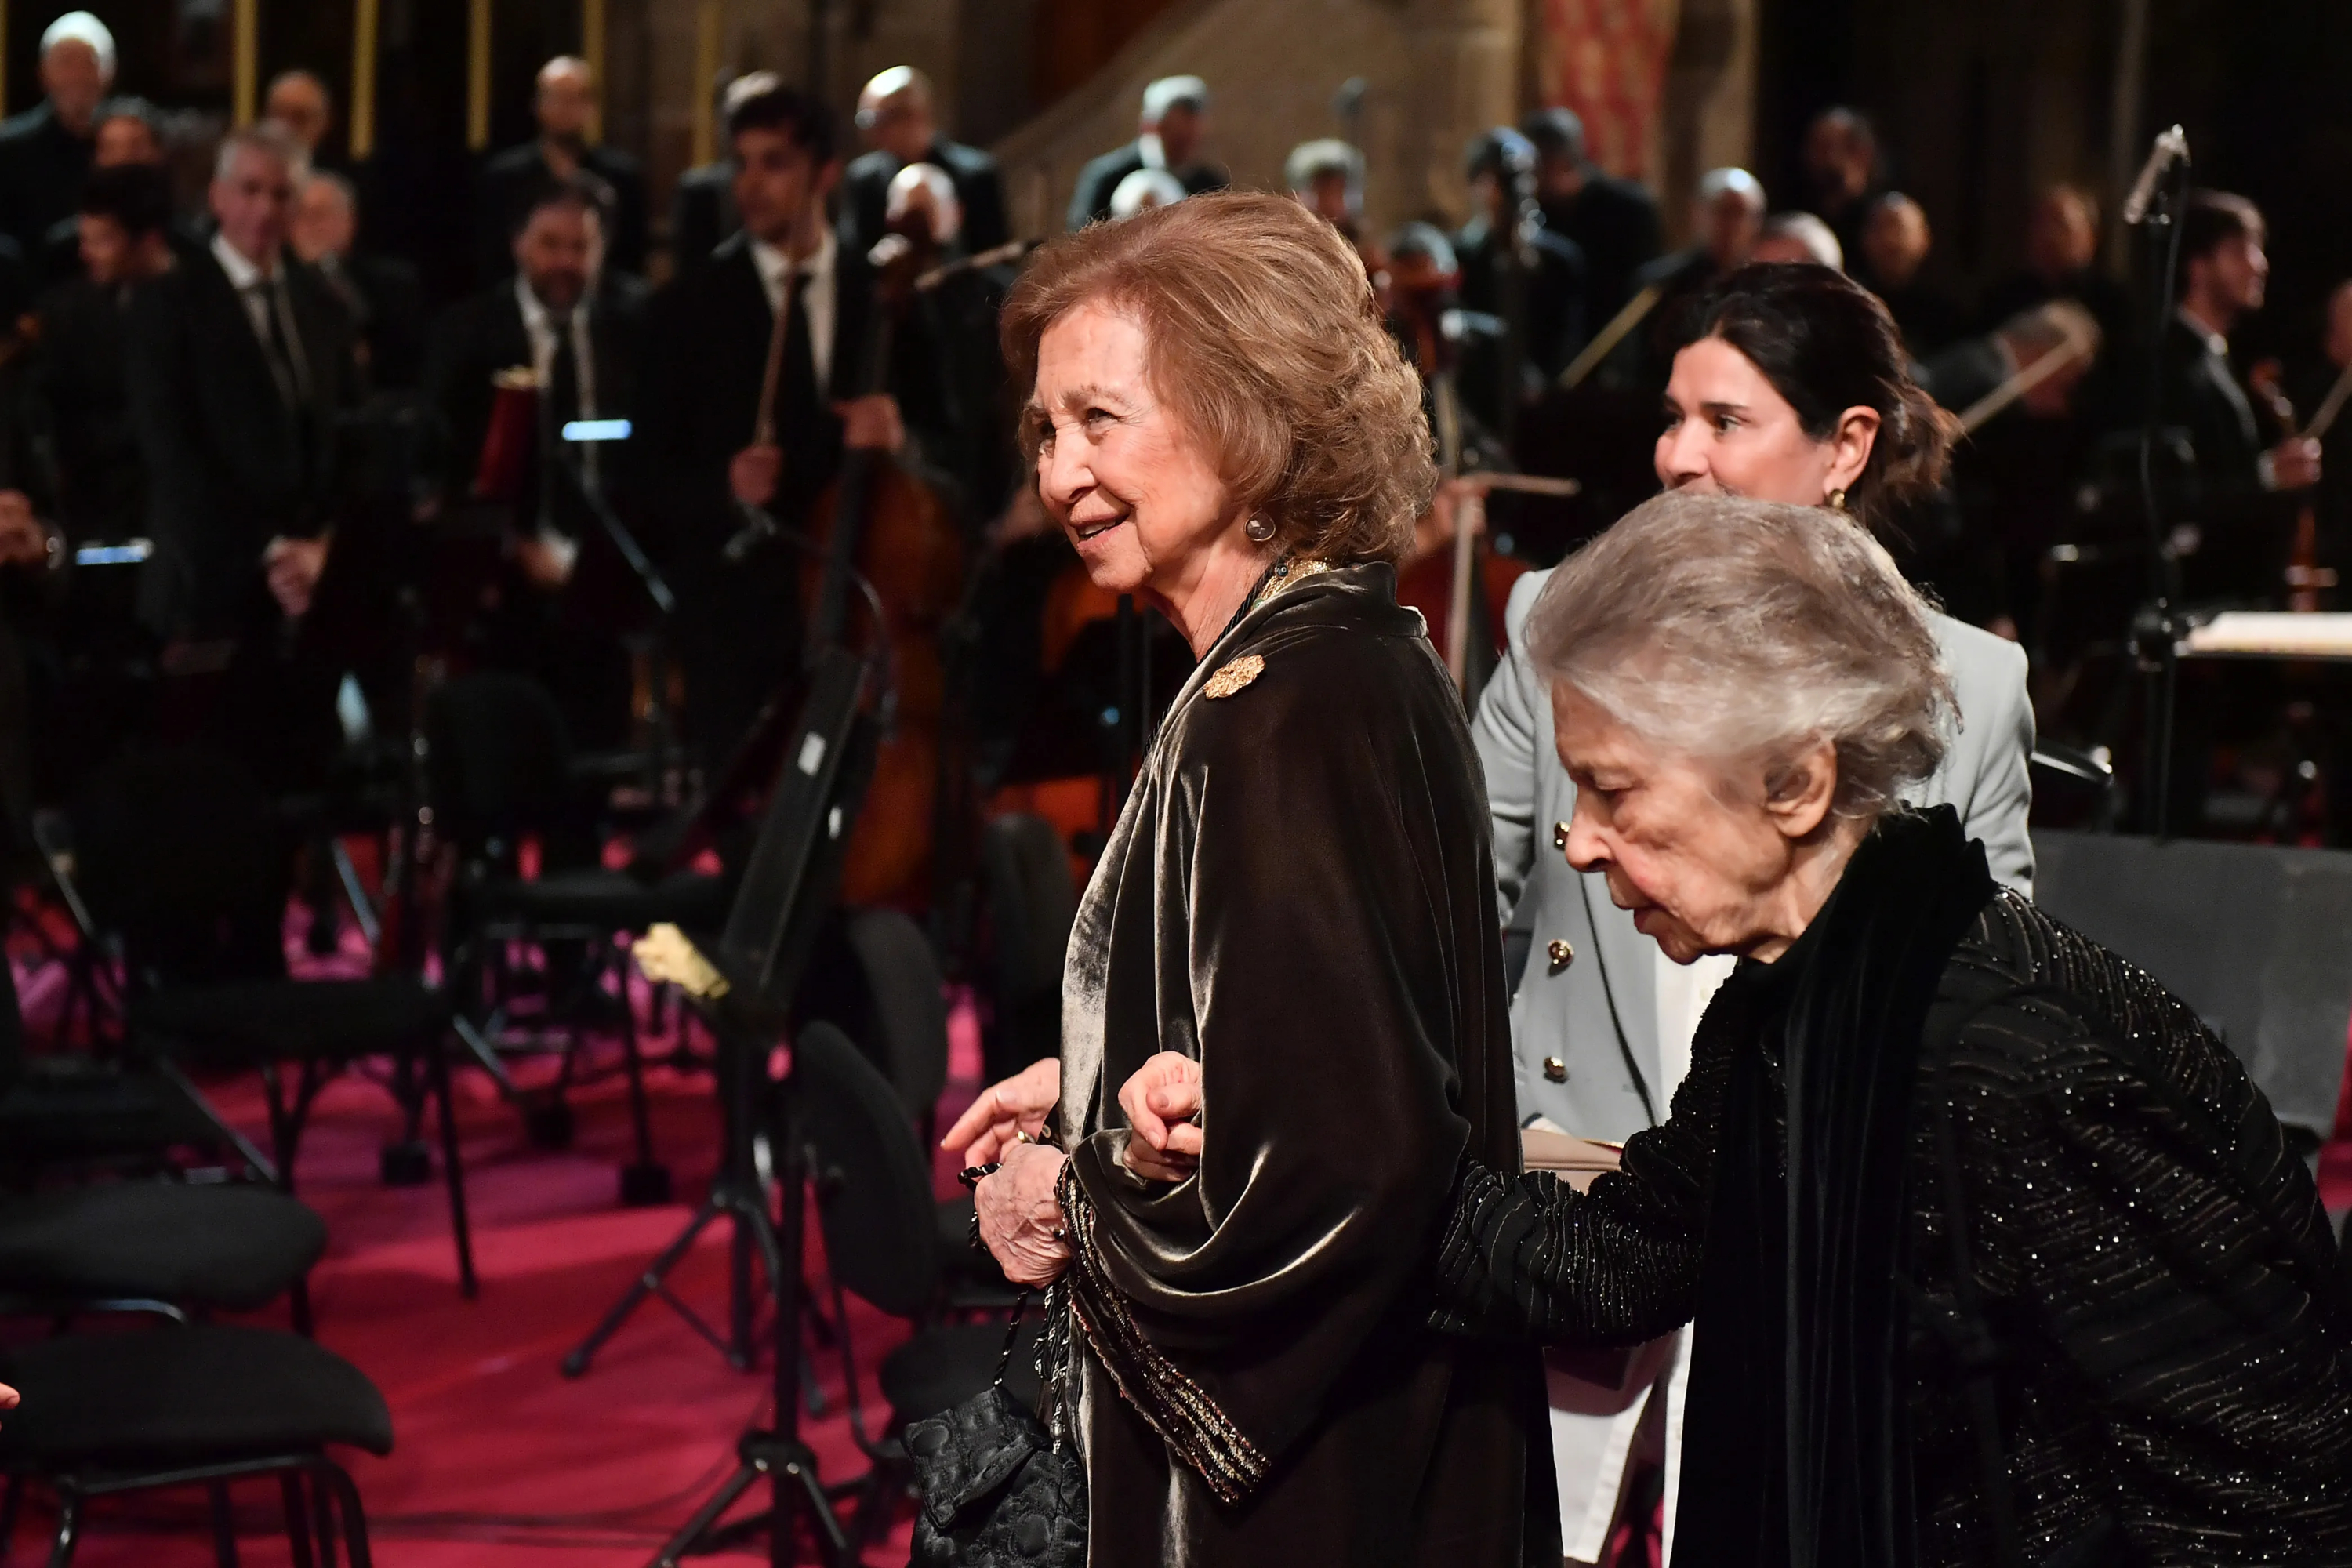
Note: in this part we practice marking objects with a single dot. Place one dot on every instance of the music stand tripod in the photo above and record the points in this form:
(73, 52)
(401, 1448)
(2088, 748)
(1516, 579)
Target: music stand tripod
(788, 887)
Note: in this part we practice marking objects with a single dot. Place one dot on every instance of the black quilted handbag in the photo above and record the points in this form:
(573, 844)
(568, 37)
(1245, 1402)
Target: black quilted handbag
(996, 1492)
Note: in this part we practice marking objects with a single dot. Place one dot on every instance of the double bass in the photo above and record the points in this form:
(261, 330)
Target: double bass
(883, 567)
(887, 562)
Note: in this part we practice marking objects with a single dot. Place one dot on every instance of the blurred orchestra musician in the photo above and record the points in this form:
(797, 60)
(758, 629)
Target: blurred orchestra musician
(896, 119)
(1172, 134)
(383, 294)
(46, 152)
(1528, 280)
(1798, 236)
(703, 209)
(127, 132)
(2016, 478)
(1839, 159)
(2062, 254)
(971, 423)
(302, 101)
(717, 479)
(578, 331)
(511, 181)
(1614, 222)
(1326, 176)
(241, 368)
(2231, 508)
(1895, 243)
(2311, 384)
(1726, 221)
(124, 241)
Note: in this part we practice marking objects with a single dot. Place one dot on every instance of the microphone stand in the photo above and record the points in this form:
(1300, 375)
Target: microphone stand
(2158, 628)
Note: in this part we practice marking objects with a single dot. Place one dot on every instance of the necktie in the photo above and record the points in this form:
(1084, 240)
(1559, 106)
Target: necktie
(560, 407)
(274, 346)
(801, 397)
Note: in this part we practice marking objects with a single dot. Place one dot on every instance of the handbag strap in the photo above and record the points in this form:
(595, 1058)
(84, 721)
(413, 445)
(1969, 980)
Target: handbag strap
(1011, 1336)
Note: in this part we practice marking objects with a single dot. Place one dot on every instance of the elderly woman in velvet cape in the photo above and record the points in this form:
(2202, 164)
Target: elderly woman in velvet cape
(1298, 896)
(1996, 1256)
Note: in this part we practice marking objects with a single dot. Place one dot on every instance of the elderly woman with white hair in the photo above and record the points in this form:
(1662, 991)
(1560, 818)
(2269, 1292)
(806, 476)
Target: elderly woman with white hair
(1997, 1255)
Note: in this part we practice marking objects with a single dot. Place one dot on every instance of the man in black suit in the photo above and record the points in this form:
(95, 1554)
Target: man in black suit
(45, 152)
(702, 210)
(1529, 280)
(1840, 169)
(383, 294)
(579, 331)
(1727, 220)
(126, 133)
(712, 471)
(894, 113)
(82, 378)
(1895, 242)
(1614, 222)
(2232, 507)
(1170, 135)
(241, 367)
(513, 178)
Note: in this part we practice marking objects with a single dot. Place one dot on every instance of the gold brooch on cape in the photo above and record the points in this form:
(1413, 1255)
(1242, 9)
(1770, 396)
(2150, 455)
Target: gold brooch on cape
(1234, 676)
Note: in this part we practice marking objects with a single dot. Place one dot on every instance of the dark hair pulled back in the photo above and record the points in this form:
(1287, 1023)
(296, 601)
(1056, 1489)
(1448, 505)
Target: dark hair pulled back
(1827, 344)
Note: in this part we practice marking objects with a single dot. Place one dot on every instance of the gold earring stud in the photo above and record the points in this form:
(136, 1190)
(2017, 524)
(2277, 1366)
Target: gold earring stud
(1836, 500)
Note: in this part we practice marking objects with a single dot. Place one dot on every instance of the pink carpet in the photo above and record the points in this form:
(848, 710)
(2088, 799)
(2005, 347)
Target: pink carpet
(500, 1460)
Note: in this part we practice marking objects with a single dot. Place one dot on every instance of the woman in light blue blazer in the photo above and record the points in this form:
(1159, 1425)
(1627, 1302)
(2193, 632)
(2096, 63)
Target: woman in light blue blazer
(1792, 385)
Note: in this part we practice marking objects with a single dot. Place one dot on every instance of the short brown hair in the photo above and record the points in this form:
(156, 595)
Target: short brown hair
(1268, 345)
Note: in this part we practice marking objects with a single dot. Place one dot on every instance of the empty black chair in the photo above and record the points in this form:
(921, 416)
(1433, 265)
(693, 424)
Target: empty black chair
(873, 1185)
(155, 1244)
(78, 1110)
(907, 1027)
(502, 769)
(896, 1012)
(1032, 903)
(207, 1404)
(183, 866)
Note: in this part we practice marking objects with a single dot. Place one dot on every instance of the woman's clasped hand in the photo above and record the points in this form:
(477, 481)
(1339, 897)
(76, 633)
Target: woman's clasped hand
(1161, 1099)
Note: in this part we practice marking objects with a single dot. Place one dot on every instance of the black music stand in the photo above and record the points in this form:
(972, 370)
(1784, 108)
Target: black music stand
(788, 888)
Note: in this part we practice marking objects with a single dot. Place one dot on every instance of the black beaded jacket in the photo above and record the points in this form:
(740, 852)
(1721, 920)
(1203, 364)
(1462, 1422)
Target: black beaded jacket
(2085, 1307)
(1299, 894)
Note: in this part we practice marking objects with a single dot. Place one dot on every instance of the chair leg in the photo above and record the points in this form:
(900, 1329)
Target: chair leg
(224, 1525)
(323, 1501)
(640, 1113)
(68, 1535)
(355, 1532)
(281, 1131)
(298, 1519)
(437, 1063)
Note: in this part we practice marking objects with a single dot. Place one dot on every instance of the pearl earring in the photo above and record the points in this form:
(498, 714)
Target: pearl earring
(1259, 530)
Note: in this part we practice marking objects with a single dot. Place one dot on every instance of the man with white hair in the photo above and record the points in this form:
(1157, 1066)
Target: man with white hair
(513, 181)
(241, 364)
(1726, 222)
(1170, 133)
(45, 152)
(383, 294)
(896, 120)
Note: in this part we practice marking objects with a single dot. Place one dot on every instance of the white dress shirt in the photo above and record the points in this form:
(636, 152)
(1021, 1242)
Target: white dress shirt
(539, 331)
(820, 295)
